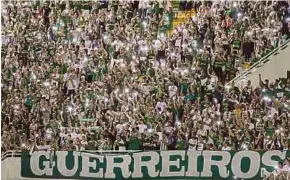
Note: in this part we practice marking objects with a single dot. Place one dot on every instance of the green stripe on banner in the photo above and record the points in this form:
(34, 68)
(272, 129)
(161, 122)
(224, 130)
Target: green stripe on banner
(151, 164)
(87, 120)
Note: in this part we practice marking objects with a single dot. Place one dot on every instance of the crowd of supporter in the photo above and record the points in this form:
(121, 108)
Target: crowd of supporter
(118, 76)
(281, 172)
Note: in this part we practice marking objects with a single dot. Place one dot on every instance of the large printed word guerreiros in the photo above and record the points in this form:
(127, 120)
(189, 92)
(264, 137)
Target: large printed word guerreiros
(151, 164)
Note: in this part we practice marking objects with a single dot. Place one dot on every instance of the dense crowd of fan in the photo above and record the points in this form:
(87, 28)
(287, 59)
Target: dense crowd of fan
(119, 76)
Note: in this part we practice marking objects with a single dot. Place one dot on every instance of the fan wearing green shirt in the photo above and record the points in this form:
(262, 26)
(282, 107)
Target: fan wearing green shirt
(134, 141)
(180, 144)
(120, 143)
(190, 97)
(270, 130)
(107, 144)
(236, 45)
(28, 101)
(203, 61)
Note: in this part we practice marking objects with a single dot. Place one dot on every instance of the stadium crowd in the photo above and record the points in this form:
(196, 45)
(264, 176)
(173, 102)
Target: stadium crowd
(118, 76)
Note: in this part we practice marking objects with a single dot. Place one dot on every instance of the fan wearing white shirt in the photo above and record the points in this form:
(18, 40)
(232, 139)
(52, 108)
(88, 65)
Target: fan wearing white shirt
(160, 107)
(279, 169)
(192, 142)
(142, 127)
(75, 135)
(286, 167)
(49, 134)
(70, 87)
(202, 131)
(143, 6)
(172, 91)
(84, 143)
(226, 147)
(120, 128)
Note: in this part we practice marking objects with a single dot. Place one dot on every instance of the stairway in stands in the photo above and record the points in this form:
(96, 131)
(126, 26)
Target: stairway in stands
(273, 66)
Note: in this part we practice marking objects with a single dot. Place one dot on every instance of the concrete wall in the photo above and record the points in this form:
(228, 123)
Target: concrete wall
(11, 170)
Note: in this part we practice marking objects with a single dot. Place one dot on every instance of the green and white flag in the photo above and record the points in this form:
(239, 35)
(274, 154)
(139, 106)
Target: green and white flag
(151, 164)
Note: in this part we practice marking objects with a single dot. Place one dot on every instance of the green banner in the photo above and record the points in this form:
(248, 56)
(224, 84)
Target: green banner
(151, 164)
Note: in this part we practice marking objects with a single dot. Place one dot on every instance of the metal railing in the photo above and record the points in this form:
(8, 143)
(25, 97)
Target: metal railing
(15, 153)
(258, 63)
(10, 154)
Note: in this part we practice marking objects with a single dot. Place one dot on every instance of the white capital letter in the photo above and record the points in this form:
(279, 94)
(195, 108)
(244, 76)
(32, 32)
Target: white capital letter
(254, 164)
(124, 166)
(150, 165)
(61, 163)
(87, 164)
(34, 164)
(192, 163)
(208, 162)
(267, 158)
(166, 163)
